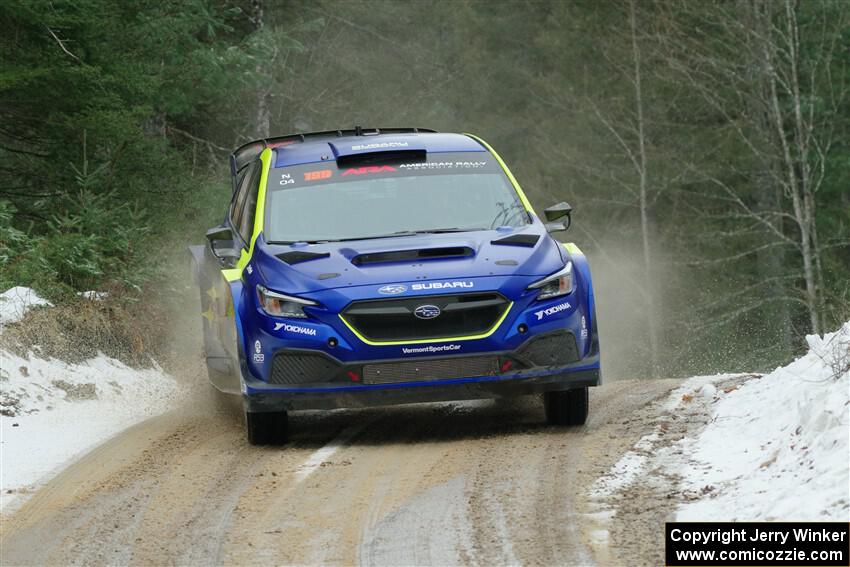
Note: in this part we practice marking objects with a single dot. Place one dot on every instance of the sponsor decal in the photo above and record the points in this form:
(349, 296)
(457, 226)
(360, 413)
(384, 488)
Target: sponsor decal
(250, 269)
(443, 165)
(367, 169)
(583, 327)
(552, 310)
(286, 179)
(392, 289)
(258, 352)
(427, 311)
(379, 145)
(430, 349)
(441, 285)
(295, 329)
(316, 175)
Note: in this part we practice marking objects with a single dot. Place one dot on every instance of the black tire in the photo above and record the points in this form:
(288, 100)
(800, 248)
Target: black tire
(267, 428)
(568, 407)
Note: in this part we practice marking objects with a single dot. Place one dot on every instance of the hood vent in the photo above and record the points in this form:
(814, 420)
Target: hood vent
(526, 240)
(408, 255)
(298, 257)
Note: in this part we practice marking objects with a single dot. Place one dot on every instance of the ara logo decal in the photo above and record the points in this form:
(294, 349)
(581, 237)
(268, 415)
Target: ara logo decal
(316, 175)
(250, 269)
(295, 329)
(427, 311)
(258, 352)
(552, 310)
(393, 289)
(367, 169)
(440, 285)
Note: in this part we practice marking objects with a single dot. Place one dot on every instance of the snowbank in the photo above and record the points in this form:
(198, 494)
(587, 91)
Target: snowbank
(15, 302)
(52, 412)
(778, 448)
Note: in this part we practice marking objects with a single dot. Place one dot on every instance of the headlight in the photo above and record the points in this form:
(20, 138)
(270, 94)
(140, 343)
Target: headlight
(279, 305)
(555, 285)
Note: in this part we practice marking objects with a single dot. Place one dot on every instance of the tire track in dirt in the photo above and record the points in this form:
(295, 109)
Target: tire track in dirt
(475, 483)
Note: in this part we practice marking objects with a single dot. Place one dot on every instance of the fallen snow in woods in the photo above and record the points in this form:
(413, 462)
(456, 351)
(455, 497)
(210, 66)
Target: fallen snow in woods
(52, 412)
(15, 302)
(778, 448)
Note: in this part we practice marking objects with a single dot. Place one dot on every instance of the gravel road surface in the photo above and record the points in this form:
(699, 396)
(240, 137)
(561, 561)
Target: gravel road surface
(483, 483)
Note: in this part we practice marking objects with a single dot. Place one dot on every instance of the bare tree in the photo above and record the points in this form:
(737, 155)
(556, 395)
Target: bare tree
(263, 121)
(777, 83)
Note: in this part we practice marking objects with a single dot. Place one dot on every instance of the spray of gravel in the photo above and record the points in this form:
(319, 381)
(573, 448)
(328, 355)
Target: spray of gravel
(624, 299)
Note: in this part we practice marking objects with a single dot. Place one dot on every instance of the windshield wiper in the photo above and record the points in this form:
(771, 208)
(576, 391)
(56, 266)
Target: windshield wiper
(399, 233)
(408, 233)
(445, 230)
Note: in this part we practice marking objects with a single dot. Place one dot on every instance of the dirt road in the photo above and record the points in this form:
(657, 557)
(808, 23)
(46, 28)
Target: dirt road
(481, 483)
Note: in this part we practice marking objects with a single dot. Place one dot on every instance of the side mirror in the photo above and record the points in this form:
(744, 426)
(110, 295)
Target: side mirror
(222, 245)
(555, 212)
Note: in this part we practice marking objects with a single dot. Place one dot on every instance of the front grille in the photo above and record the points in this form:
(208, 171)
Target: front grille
(395, 319)
(439, 369)
(555, 349)
(299, 368)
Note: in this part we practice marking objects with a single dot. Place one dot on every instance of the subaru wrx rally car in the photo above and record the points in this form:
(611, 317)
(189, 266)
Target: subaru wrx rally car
(368, 267)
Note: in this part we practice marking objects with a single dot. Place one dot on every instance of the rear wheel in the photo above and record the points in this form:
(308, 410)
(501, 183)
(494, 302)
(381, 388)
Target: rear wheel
(267, 428)
(568, 407)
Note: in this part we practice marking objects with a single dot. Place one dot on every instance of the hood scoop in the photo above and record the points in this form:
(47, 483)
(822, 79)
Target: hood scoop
(408, 255)
(525, 240)
(298, 257)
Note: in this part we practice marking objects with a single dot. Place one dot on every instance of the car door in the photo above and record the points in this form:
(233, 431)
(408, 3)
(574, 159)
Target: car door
(221, 346)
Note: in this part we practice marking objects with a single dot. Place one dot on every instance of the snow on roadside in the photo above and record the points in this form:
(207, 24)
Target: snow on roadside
(774, 447)
(778, 448)
(643, 467)
(16, 301)
(52, 412)
(634, 463)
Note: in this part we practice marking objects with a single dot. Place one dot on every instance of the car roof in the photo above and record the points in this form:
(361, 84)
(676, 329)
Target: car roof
(333, 147)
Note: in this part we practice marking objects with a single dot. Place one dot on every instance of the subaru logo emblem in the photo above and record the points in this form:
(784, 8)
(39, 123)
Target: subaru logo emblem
(427, 311)
(393, 289)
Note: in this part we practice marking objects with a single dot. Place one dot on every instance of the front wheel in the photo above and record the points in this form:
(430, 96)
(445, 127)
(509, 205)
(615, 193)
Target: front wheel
(267, 428)
(568, 407)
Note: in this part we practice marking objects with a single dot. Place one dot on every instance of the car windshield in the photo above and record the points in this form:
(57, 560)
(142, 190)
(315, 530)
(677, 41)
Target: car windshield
(317, 203)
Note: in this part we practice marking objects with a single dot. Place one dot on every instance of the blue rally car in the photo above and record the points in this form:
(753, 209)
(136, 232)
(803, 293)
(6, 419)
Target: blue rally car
(386, 266)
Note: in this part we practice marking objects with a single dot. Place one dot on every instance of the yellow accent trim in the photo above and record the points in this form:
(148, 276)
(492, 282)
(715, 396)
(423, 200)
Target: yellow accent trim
(443, 340)
(572, 248)
(232, 274)
(507, 171)
(245, 257)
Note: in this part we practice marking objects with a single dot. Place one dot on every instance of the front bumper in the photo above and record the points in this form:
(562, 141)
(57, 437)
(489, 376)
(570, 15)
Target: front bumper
(261, 396)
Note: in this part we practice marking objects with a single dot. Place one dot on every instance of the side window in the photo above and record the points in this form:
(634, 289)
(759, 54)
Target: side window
(238, 203)
(249, 211)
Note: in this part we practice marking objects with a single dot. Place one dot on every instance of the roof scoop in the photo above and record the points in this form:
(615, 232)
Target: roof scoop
(412, 255)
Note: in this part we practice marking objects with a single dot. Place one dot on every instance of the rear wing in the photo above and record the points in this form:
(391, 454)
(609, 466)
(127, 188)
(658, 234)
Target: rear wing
(246, 153)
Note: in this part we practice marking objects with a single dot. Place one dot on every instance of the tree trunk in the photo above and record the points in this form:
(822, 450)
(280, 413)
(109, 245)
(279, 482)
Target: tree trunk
(802, 211)
(652, 320)
(263, 119)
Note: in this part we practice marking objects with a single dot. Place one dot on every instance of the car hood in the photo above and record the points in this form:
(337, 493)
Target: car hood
(301, 268)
